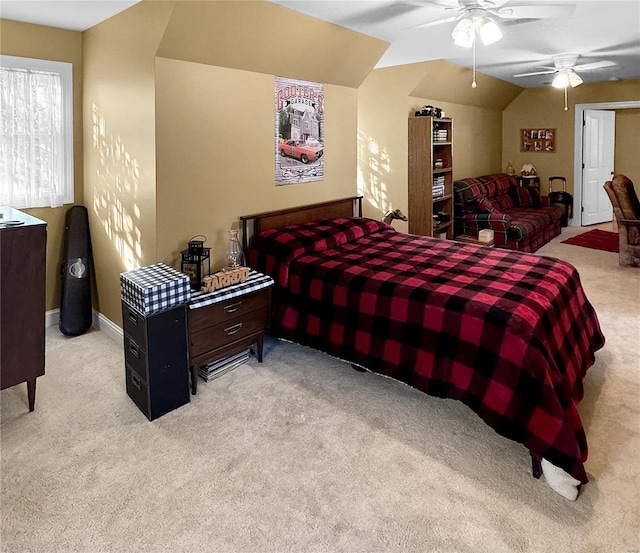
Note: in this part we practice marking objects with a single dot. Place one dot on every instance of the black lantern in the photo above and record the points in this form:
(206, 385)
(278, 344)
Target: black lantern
(196, 265)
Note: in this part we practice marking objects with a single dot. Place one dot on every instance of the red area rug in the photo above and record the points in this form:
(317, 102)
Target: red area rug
(595, 239)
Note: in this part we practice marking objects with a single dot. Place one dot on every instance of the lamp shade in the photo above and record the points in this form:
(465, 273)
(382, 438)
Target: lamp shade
(566, 77)
(463, 33)
(574, 79)
(561, 80)
(489, 31)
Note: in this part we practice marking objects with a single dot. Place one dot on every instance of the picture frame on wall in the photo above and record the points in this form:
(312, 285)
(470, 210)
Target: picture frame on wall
(299, 131)
(538, 140)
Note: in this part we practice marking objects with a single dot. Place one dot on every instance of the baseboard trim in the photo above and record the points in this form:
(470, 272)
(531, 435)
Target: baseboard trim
(99, 322)
(110, 329)
(52, 318)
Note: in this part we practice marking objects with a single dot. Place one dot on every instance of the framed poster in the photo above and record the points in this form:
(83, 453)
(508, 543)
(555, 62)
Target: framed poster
(299, 131)
(538, 140)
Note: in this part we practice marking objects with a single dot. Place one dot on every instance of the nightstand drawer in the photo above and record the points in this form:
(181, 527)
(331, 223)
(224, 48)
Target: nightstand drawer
(227, 310)
(226, 332)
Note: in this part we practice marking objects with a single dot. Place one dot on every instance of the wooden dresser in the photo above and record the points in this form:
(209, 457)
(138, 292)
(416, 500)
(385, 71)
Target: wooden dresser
(22, 299)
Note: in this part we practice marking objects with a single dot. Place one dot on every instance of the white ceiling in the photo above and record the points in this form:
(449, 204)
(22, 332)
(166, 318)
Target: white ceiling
(75, 15)
(597, 30)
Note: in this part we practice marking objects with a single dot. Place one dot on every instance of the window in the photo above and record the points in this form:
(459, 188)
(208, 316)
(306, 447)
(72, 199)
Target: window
(36, 139)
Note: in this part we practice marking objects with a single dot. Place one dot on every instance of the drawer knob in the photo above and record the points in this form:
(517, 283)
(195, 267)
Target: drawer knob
(233, 307)
(233, 329)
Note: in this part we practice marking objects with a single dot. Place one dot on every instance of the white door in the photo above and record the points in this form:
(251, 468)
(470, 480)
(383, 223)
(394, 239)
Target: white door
(598, 151)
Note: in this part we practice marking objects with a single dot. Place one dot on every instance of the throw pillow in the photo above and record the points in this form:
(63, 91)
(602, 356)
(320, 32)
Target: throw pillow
(505, 202)
(484, 205)
(528, 197)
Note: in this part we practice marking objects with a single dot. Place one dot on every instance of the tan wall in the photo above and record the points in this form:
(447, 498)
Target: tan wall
(384, 106)
(627, 155)
(47, 43)
(120, 160)
(544, 108)
(212, 126)
(216, 154)
(266, 38)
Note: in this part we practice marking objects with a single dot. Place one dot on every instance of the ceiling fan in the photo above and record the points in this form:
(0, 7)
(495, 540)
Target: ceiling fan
(566, 70)
(478, 17)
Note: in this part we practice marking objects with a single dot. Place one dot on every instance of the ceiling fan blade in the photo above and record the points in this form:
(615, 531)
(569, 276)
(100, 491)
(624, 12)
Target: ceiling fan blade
(539, 11)
(549, 72)
(437, 22)
(595, 65)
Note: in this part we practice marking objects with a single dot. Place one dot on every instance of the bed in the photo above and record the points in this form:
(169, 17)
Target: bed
(511, 335)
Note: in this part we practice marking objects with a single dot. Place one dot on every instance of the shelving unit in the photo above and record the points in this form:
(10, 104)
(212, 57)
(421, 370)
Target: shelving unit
(430, 165)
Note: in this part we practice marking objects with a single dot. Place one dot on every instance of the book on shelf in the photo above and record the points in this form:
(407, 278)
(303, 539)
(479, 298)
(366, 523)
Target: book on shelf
(440, 135)
(437, 190)
(222, 366)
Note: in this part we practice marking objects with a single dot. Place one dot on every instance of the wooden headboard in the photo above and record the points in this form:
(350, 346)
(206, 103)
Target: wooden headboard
(252, 225)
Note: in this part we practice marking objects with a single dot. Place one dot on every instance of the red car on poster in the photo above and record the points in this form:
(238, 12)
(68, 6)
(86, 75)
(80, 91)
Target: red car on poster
(299, 149)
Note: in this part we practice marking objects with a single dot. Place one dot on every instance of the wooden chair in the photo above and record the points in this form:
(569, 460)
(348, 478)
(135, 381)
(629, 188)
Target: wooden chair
(626, 208)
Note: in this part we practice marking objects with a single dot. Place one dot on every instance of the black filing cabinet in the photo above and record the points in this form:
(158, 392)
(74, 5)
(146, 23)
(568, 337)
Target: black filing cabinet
(156, 359)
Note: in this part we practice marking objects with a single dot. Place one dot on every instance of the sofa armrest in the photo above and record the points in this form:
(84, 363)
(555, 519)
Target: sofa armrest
(631, 222)
(487, 220)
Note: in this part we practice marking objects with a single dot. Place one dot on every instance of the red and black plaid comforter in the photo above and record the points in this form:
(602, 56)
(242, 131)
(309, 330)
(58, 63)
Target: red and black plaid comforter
(509, 334)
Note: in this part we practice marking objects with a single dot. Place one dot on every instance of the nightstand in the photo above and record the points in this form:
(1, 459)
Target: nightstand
(529, 180)
(223, 322)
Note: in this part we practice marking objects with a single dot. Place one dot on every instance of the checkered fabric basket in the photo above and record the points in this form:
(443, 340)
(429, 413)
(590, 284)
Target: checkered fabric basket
(154, 288)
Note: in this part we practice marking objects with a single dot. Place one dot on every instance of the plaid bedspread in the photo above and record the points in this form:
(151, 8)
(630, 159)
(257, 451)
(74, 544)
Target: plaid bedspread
(509, 334)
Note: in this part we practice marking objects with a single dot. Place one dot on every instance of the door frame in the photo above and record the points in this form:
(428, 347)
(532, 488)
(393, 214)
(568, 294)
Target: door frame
(576, 221)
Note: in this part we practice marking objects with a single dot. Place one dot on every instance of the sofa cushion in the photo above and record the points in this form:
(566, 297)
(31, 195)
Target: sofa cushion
(526, 221)
(483, 205)
(504, 202)
(527, 196)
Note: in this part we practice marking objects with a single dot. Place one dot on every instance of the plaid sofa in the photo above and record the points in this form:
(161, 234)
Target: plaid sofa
(516, 214)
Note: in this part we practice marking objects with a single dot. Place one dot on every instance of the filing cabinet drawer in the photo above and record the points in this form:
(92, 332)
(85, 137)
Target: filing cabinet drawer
(134, 324)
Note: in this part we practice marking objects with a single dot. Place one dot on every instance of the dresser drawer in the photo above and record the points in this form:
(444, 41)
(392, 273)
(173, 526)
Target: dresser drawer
(227, 332)
(135, 325)
(227, 310)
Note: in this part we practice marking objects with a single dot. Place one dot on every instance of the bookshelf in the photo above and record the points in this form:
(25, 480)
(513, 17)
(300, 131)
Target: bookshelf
(430, 167)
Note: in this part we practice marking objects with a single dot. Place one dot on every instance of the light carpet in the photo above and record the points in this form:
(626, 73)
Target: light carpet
(303, 454)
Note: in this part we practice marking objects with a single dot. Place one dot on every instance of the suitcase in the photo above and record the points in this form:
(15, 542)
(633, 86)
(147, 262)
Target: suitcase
(75, 274)
(561, 197)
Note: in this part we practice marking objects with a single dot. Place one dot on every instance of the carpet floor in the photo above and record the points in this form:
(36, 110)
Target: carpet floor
(301, 453)
(596, 239)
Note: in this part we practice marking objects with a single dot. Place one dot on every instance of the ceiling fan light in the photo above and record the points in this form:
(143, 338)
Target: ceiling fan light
(561, 80)
(463, 33)
(489, 31)
(574, 79)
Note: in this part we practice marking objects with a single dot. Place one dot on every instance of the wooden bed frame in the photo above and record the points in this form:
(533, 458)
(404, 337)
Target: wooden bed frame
(252, 225)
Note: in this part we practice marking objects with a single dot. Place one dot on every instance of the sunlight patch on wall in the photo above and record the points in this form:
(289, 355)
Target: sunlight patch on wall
(374, 166)
(114, 201)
